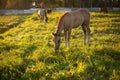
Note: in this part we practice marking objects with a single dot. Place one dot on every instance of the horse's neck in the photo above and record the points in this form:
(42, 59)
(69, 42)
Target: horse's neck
(59, 29)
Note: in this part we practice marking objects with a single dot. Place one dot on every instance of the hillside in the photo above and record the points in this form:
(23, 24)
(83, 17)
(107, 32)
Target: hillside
(26, 50)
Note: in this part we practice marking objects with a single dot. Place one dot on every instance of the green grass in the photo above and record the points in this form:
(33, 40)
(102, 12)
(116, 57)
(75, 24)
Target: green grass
(8, 22)
(26, 50)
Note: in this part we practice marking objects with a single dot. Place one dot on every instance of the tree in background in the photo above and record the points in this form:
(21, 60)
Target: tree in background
(23, 4)
(15, 4)
(3, 4)
(18, 4)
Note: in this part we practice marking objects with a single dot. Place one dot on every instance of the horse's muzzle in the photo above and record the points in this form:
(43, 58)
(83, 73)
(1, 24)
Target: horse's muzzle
(56, 48)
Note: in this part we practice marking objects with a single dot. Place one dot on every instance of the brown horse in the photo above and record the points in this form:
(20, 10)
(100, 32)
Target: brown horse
(103, 9)
(42, 13)
(69, 20)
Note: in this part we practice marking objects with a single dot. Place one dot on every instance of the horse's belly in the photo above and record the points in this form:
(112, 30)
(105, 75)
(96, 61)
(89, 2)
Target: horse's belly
(77, 23)
(75, 26)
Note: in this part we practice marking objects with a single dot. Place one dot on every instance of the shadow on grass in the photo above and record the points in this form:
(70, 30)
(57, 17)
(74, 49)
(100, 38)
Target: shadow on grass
(105, 65)
(113, 54)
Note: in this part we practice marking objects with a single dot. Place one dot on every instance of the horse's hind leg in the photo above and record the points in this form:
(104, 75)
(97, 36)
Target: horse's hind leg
(88, 32)
(46, 19)
(84, 31)
(45, 16)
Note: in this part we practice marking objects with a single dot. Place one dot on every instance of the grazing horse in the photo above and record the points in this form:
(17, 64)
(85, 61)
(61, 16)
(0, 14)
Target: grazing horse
(42, 14)
(69, 20)
(103, 9)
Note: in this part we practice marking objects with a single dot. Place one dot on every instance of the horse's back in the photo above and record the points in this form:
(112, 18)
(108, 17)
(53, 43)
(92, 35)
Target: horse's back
(82, 12)
(80, 17)
(85, 13)
(75, 18)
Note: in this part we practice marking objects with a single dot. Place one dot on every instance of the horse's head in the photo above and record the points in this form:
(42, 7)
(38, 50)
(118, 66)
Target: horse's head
(56, 41)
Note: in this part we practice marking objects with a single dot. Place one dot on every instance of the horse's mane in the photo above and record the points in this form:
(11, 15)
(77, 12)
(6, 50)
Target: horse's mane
(60, 19)
(59, 22)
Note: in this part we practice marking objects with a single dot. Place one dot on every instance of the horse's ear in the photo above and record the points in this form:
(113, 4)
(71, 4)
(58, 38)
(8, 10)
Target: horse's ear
(53, 34)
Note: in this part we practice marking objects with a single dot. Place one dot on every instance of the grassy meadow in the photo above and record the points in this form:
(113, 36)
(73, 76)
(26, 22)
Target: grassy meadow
(26, 49)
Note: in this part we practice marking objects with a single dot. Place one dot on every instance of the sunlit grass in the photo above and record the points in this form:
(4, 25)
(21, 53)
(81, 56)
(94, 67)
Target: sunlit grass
(27, 53)
(8, 22)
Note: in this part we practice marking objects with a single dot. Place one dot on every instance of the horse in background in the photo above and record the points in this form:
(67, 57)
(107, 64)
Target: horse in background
(69, 20)
(103, 9)
(42, 14)
(48, 11)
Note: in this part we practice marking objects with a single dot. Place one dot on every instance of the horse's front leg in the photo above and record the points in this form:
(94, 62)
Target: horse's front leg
(68, 38)
(65, 35)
